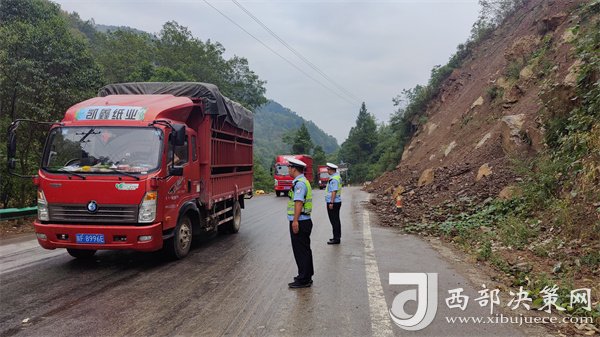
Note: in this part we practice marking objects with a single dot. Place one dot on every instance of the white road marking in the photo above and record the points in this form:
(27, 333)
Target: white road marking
(380, 319)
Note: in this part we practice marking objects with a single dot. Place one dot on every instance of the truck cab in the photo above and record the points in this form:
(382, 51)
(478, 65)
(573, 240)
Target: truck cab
(283, 181)
(323, 176)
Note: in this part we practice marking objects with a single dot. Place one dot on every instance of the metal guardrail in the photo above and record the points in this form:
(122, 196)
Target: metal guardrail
(16, 213)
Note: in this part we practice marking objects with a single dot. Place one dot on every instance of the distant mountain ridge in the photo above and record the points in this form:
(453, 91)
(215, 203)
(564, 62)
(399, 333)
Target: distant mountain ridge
(272, 121)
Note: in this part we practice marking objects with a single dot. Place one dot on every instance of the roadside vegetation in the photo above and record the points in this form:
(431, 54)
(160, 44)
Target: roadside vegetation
(50, 60)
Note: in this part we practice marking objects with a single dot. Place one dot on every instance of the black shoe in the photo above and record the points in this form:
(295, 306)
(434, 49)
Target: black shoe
(298, 284)
(333, 242)
(296, 279)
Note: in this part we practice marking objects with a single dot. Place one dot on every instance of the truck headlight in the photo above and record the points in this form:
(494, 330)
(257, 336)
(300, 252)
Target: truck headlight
(42, 207)
(275, 182)
(147, 211)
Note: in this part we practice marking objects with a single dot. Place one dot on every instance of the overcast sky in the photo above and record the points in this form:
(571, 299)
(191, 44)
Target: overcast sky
(373, 49)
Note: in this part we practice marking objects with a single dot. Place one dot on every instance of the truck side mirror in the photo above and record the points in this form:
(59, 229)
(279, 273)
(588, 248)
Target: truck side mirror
(176, 171)
(179, 134)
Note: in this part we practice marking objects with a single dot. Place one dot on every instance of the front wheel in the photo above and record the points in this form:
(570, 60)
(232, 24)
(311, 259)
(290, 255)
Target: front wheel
(179, 245)
(81, 253)
(277, 193)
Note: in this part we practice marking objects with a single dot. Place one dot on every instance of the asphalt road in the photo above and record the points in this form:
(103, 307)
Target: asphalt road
(233, 285)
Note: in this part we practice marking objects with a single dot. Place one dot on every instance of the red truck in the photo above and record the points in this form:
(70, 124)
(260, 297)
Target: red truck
(283, 181)
(144, 166)
(323, 176)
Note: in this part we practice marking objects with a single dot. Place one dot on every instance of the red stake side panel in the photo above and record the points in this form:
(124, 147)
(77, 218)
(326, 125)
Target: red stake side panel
(225, 160)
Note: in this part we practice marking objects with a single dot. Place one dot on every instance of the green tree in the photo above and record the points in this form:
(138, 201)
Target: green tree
(358, 148)
(179, 50)
(299, 140)
(319, 158)
(125, 56)
(262, 179)
(44, 69)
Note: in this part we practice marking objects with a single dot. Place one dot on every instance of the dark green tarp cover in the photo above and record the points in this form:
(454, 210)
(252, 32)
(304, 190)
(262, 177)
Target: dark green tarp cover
(214, 101)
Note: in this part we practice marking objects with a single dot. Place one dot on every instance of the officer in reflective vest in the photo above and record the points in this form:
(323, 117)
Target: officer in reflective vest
(298, 213)
(333, 199)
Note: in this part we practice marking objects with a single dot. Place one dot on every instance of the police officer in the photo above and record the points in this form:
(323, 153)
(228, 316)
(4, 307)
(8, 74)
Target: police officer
(298, 212)
(333, 198)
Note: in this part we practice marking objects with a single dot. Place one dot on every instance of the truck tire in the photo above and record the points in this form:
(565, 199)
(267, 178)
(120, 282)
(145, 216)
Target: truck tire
(233, 226)
(277, 193)
(81, 253)
(179, 245)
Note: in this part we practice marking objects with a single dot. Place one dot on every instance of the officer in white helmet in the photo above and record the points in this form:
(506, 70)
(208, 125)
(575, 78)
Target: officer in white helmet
(298, 212)
(333, 199)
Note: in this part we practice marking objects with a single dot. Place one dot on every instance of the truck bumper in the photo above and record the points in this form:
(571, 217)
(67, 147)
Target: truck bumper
(283, 188)
(115, 237)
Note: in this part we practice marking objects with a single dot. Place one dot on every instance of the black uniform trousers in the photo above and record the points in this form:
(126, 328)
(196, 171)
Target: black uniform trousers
(334, 218)
(302, 251)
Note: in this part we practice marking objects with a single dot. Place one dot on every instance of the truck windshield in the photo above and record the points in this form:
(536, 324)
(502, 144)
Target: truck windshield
(103, 149)
(281, 170)
(324, 175)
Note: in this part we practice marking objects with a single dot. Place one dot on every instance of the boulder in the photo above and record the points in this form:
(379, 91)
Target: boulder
(513, 134)
(508, 192)
(408, 150)
(484, 171)
(523, 267)
(503, 83)
(478, 102)
(513, 95)
(449, 148)
(571, 78)
(431, 127)
(568, 36)
(521, 48)
(526, 73)
(549, 24)
(483, 140)
(426, 178)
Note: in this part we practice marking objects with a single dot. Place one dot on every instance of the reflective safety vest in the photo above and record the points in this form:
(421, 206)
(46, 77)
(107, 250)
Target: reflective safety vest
(339, 181)
(307, 206)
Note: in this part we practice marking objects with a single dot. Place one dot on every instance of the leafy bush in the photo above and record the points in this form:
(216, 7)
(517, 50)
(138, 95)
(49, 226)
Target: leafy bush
(494, 92)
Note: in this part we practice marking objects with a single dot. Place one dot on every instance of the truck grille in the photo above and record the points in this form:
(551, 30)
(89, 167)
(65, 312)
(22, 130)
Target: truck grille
(285, 183)
(105, 213)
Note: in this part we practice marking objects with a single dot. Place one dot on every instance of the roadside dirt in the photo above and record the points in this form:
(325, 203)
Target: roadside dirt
(12, 228)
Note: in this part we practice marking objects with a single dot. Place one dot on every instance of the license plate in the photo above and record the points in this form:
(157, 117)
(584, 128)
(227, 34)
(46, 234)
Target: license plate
(90, 238)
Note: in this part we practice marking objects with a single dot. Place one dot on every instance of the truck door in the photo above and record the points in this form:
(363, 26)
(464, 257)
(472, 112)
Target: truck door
(180, 188)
